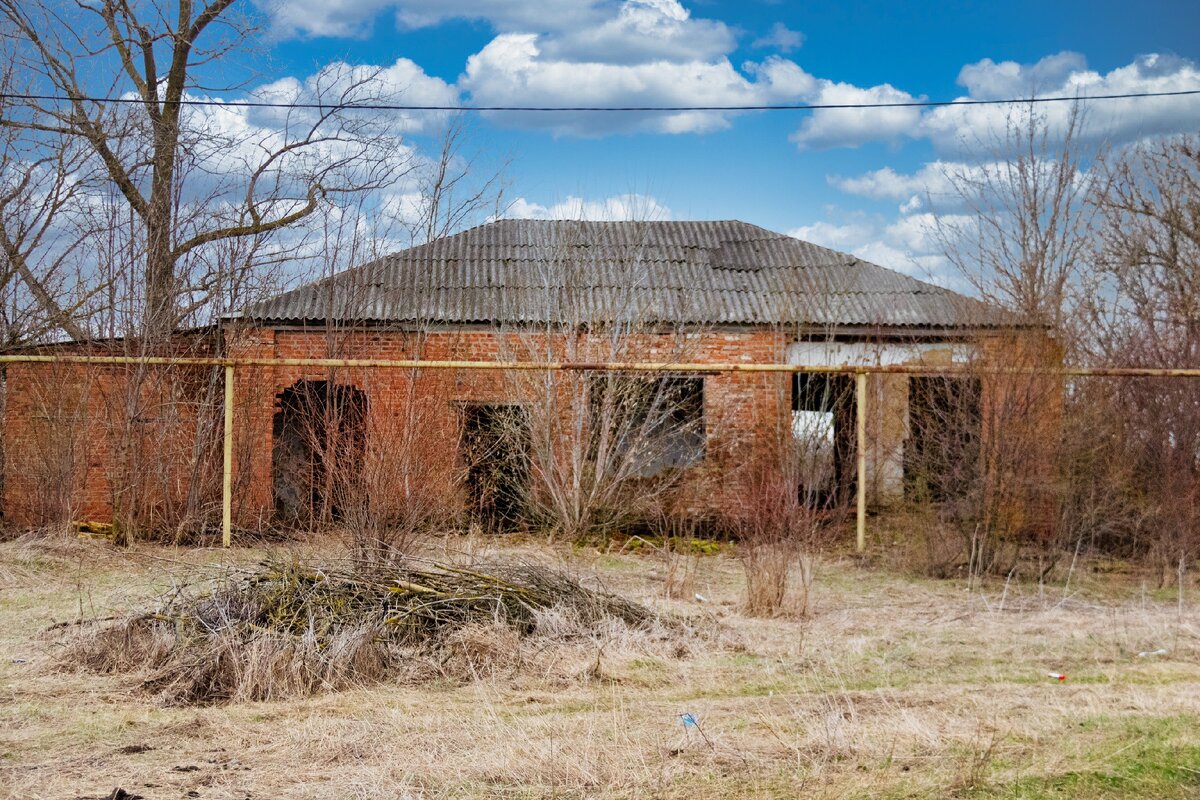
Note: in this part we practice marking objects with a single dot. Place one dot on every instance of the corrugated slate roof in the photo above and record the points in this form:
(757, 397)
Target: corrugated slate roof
(552, 271)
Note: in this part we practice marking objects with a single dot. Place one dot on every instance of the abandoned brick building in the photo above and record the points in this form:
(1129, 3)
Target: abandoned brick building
(512, 290)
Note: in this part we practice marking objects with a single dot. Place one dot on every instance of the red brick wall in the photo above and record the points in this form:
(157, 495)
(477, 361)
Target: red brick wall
(72, 451)
(417, 410)
(83, 441)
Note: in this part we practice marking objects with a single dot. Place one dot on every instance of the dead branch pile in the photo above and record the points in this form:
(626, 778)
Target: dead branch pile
(288, 628)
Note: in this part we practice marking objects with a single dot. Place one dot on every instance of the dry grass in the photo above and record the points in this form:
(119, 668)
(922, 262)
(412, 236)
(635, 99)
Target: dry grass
(892, 687)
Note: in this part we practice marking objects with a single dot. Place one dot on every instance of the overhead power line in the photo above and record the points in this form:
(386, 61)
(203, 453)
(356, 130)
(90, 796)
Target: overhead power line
(643, 109)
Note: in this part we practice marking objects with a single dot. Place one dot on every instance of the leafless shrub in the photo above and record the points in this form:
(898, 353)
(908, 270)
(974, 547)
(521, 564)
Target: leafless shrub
(394, 502)
(777, 528)
(982, 461)
(351, 454)
(1094, 463)
(601, 448)
(54, 450)
(1099, 508)
(996, 461)
(161, 430)
(1024, 242)
(1146, 312)
(605, 450)
(353, 449)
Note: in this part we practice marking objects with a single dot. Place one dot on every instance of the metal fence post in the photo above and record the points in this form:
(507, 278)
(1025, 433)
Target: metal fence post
(860, 413)
(227, 467)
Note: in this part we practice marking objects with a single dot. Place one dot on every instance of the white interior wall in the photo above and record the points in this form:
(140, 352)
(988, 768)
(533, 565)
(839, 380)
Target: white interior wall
(855, 354)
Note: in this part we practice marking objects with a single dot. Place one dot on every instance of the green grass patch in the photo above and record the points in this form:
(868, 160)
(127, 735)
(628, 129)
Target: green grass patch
(1136, 757)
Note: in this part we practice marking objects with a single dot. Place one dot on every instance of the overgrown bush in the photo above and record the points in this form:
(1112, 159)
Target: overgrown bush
(776, 532)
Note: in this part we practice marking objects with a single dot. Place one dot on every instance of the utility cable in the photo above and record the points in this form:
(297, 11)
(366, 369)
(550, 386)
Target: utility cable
(9, 96)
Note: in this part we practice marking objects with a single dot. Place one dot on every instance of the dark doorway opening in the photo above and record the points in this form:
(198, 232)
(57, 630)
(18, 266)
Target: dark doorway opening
(319, 440)
(823, 409)
(495, 449)
(941, 456)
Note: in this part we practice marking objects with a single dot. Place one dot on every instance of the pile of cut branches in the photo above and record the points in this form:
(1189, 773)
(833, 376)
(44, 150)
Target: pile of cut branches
(286, 628)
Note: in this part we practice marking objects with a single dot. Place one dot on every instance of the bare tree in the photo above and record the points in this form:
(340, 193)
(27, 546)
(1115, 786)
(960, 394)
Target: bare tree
(785, 512)
(184, 183)
(1025, 237)
(356, 450)
(44, 222)
(143, 217)
(1150, 257)
(1023, 244)
(452, 190)
(1147, 313)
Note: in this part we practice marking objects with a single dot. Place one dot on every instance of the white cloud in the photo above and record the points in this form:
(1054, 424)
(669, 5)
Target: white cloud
(503, 15)
(844, 237)
(916, 232)
(613, 31)
(637, 207)
(642, 31)
(937, 184)
(656, 52)
(781, 37)
(886, 183)
(401, 83)
(781, 79)
(512, 70)
(988, 80)
(407, 208)
(904, 245)
(963, 128)
(581, 53)
(957, 131)
(340, 18)
(851, 127)
(932, 181)
(228, 143)
(923, 266)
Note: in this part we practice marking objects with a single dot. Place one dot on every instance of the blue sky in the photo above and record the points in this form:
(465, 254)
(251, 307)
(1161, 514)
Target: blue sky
(854, 181)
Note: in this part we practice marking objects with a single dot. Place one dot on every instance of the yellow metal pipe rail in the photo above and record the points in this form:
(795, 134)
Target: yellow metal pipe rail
(860, 428)
(612, 366)
(859, 371)
(227, 463)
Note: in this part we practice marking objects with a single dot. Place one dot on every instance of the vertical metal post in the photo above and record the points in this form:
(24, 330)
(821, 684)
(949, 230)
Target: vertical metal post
(860, 413)
(227, 468)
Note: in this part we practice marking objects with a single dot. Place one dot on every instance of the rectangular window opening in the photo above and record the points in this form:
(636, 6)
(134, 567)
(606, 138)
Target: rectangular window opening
(642, 426)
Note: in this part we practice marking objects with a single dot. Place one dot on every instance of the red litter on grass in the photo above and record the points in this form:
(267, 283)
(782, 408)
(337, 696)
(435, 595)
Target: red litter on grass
(1058, 676)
